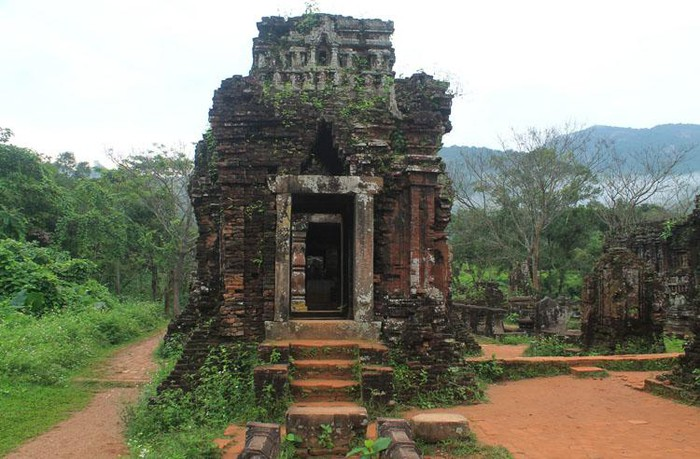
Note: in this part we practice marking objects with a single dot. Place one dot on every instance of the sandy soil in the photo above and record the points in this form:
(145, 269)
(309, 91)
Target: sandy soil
(568, 417)
(96, 431)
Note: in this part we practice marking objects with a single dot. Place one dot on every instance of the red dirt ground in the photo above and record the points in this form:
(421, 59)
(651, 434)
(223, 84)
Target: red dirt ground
(567, 417)
(559, 417)
(96, 431)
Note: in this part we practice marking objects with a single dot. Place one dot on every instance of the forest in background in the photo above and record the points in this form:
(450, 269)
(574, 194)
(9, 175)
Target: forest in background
(130, 229)
(544, 205)
(133, 230)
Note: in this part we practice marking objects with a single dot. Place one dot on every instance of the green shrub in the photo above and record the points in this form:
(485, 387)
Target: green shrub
(36, 280)
(174, 423)
(46, 349)
(547, 346)
(673, 344)
(418, 387)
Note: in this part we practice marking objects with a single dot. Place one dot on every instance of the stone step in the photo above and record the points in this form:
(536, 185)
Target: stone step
(322, 329)
(436, 427)
(324, 350)
(325, 369)
(326, 430)
(332, 390)
(279, 351)
(588, 372)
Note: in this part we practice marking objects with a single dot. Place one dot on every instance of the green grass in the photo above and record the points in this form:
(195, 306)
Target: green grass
(673, 344)
(639, 365)
(467, 447)
(547, 346)
(29, 409)
(40, 357)
(507, 339)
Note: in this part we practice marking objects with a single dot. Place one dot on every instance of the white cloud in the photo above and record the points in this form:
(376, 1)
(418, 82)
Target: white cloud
(85, 75)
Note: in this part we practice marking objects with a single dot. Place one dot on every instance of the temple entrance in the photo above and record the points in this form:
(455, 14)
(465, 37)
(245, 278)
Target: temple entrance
(321, 260)
(333, 216)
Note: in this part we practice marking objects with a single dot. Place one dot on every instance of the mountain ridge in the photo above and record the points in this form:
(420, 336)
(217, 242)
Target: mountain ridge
(626, 141)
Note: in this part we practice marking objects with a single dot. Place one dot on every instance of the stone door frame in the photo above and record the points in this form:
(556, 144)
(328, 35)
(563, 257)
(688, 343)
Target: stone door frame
(363, 189)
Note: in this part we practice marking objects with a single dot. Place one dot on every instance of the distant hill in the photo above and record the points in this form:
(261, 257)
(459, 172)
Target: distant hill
(626, 141)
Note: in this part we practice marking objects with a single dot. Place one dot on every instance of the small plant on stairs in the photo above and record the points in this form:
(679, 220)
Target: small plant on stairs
(371, 448)
(290, 443)
(325, 438)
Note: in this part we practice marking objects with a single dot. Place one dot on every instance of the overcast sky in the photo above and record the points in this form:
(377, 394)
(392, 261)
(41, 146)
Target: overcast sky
(84, 76)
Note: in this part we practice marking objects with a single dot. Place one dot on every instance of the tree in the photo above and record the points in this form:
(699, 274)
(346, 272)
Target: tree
(632, 182)
(159, 178)
(5, 134)
(30, 198)
(521, 190)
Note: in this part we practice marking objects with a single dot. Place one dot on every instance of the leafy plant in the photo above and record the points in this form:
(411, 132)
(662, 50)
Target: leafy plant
(371, 448)
(325, 438)
(290, 443)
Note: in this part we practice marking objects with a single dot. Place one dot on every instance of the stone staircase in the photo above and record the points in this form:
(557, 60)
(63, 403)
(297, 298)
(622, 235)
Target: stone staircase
(330, 368)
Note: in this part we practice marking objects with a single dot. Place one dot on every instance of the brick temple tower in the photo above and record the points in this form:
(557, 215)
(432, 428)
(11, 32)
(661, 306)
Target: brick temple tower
(321, 199)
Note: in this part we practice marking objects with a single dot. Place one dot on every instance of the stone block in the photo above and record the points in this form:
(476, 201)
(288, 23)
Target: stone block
(262, 441)
(399, 431)
(377, 384)
(347, 423)
(271, 379)
(588, 372)
(436, 427)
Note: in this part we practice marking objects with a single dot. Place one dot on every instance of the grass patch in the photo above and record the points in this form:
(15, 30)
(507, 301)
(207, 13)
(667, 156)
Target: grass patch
(548, 346)
(39, 357)
(639, 365)
(30, 409)
(490, 371)
(510, 339)
(467, 447)
(49, 349)
(673, 344)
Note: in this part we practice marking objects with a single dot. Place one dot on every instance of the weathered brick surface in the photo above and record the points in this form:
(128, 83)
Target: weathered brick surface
(321, 99)
(673, 254)
(620, 304)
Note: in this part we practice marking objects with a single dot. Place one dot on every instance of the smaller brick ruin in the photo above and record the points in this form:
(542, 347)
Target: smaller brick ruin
(673, 252)
(620, 306)
(658, 266)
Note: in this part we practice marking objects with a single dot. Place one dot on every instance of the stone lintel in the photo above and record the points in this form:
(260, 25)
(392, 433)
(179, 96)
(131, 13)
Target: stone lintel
(323, 184)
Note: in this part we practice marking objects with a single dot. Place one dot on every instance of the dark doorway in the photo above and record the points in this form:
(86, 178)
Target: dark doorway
(325, 222)
(324, 261)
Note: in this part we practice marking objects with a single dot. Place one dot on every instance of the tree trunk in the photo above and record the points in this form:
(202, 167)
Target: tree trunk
(117, 278)
(167, 299)
(176, 286)
(154, 279)
(535, 251)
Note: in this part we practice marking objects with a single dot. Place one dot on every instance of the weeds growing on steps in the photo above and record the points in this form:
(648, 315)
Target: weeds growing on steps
(177, 424)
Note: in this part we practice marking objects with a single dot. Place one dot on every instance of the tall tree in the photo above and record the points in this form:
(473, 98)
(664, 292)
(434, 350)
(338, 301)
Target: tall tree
(633, 181)
(30, 198)
(159, 177)
(520, 191)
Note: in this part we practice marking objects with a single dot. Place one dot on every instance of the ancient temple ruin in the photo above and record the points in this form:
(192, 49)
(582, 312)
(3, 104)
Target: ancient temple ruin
(647, 283)
(621, 305)
(320, 197)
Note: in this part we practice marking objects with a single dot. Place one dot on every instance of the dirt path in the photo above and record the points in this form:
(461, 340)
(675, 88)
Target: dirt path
(571, 417)
(96, 431)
